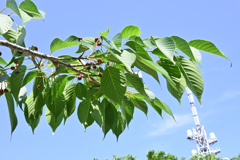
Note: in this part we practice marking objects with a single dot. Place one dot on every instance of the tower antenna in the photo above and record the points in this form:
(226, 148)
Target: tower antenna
(198, 133)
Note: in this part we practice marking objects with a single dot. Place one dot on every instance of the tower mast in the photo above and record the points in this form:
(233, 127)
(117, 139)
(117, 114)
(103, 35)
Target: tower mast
(198, 133)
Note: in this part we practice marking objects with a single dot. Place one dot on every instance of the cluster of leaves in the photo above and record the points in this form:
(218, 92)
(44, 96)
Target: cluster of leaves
(128, 157)
(161, 155)
(108, 93)
(211, 157)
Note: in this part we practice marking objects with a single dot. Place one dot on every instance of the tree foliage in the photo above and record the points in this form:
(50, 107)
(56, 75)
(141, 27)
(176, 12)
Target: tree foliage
(105, 75)
(161, 155)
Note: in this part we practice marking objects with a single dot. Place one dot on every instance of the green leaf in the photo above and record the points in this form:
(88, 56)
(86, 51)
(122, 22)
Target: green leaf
(24, 16)
(150, 94)
(206, 46)
(138, 40)
(5, 24)
(120, 125)
(84, 108)
(127, 108)
(111, 45)
(52, 120)
(81, 91)
(94, 93)
(136, 82)
(13, 5)
(56, 105)
(158, 53)
(3, 77)
(139, 63)
(176, 76)
(2, 61)
(148, 42)
(28, 5)
(172, 69)
(21, 35)
(32, 121)
(125, 57)
(160, 105)
(59, 44)
(60, 69)
(59, 85)
(104, 34)
(113, 84)
(11, 35)
(158, 68)
(42, 13)
(192, 76)
(11, 110)
(34, 105)
(197, 55)
(140, 104)
(139, 49)
(86, 43)
(183, 46)
(181, 85)
(70, 96)
(166, 46)
(16, 80)
(40, 80)
(98, 113)
(29, 77)
(130, 30)
(117, 40)
(110, 117)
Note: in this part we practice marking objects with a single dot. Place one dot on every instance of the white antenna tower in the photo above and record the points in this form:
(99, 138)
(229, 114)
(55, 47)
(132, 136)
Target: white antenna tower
(198, 133)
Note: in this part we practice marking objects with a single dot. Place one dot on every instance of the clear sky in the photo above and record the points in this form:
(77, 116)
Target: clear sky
(215, 20)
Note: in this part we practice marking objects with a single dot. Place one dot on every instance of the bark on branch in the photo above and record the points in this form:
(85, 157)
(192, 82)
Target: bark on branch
(53, 59)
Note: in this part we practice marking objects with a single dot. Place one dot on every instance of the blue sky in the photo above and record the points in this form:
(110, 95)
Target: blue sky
(215, 20)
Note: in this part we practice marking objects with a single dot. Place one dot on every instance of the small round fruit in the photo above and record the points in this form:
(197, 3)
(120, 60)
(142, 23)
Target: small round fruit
(17, 72)
(90, 80)
(38, 86)
(36, 48)
(12, 68)
(90, 87)
(42, 64)
(100, 75)
(1, 91)
(79, 78)
(17, 65)
(16, 62)
(101, 37)
(96, 39)
(99, 61)
(79, 38)
(99, 43)
(94, 67)
(5, 90)
(88, 68)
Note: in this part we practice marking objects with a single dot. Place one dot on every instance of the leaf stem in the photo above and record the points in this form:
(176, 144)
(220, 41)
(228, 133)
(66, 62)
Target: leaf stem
(10, 13)
(3, 9)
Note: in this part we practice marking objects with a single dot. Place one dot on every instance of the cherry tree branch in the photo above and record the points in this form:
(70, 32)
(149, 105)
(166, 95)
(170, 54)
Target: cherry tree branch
(53, 59)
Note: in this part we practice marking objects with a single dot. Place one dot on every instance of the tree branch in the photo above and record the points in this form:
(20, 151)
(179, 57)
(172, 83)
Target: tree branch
(53, 59)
